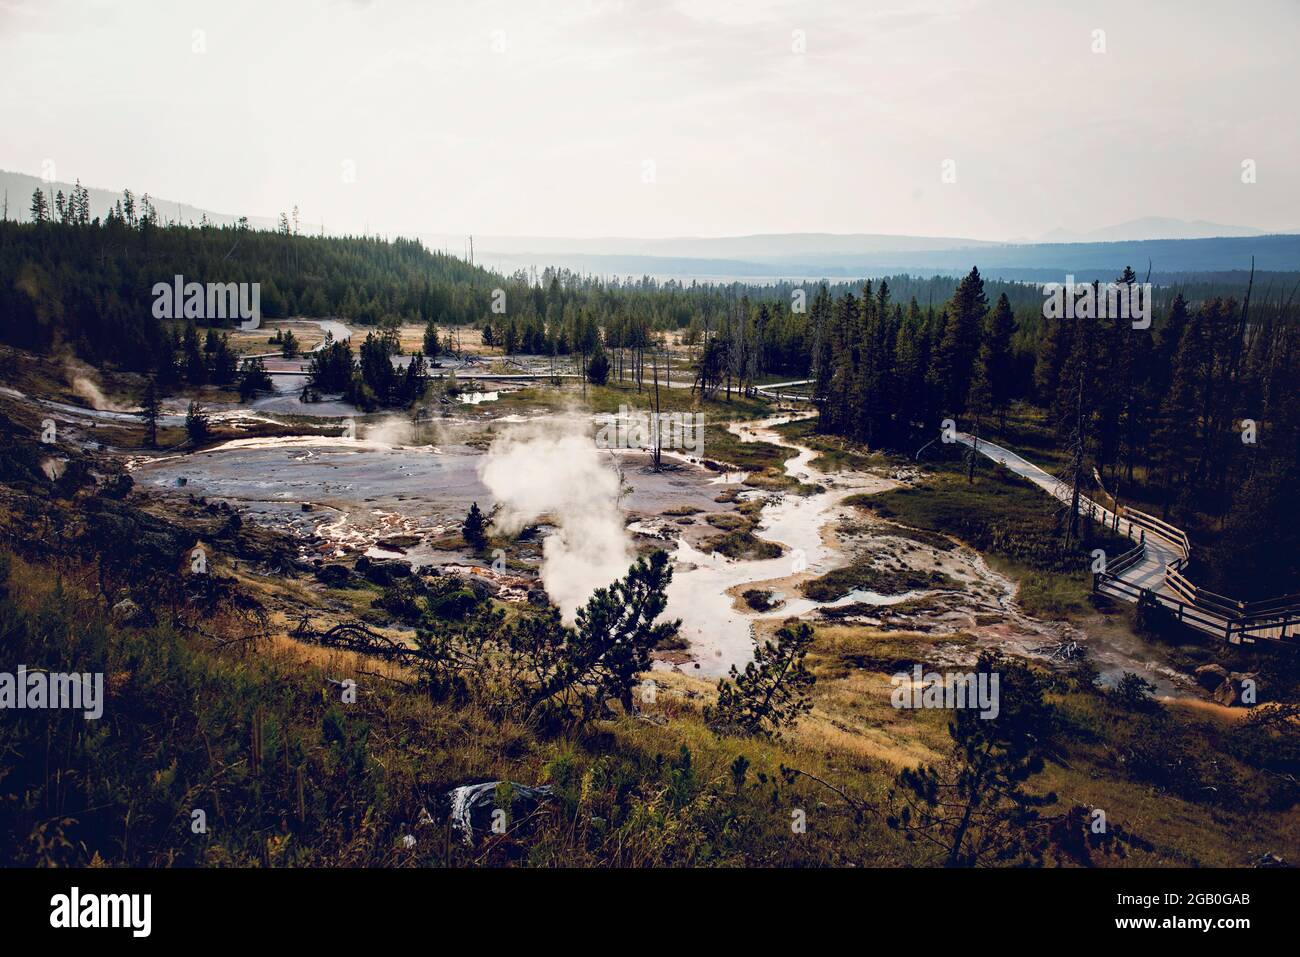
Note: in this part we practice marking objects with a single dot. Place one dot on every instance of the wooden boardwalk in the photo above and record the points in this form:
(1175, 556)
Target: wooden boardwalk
(1153, 569)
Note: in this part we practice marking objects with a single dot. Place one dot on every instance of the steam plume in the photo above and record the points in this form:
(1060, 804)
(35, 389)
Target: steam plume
(85, 385)
(551, 467)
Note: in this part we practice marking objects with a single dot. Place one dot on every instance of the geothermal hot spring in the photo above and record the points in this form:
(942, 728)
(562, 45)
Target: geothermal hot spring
(597, 509)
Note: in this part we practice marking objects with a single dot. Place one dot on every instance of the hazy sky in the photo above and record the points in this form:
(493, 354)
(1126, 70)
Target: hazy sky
(539, 118)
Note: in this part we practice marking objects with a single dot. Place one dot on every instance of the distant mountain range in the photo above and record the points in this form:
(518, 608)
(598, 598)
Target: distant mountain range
(806, 256)
(1150, 227)
(1169, 245)
(811, 257)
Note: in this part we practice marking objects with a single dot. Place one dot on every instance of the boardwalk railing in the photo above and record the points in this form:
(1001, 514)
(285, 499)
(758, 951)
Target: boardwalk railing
(1134, 556)
(1271, 619)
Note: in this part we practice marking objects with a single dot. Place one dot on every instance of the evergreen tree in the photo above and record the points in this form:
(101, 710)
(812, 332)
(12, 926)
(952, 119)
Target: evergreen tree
(876, 396)
(40, 207)
(909, 374)
(995, 358)
(196, 423)
(772, 692)
(376, 369)
(614, 635)
(979, 404)
(475, 529)
(196, 366)
(149, 411)
(220, 358)
(415, 380)
(823, 365)
(598, 367)
(975, 807)
(846, 342)
(253, 379)
(959, 347)
(331, 366)
(1179, 419)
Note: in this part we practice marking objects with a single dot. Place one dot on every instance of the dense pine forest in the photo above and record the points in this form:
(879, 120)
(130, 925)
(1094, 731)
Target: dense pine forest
(1197, 417)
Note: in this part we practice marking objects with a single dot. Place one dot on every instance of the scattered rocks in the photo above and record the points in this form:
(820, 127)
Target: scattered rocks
(1225, 687)
(126, 613)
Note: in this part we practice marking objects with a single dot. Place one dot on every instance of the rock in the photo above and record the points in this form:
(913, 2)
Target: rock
(1211, 676)
(1226, 694)
(472, 805)
(70, 476)
(482, 590)
(1270, 860)
(306, 506)
(119, 486)
(335, 576)
(538, 596)
(127, 612)
(1230, 693)
(382, 571)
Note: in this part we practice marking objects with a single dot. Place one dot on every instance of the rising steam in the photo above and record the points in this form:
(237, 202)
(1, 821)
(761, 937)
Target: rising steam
(393, 430)
(552, 468)
(85, 385)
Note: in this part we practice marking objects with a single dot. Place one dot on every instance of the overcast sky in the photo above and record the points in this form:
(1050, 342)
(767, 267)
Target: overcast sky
(542, 117)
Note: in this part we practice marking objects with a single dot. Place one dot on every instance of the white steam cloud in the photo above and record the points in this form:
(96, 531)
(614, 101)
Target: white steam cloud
(391, 430)
(552, 468)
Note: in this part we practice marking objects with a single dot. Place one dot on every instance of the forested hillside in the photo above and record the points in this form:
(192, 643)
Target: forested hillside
(87, 284)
